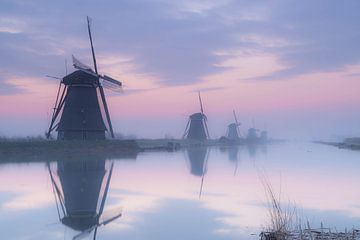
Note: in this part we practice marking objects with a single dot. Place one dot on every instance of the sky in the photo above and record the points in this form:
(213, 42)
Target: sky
(291, 67)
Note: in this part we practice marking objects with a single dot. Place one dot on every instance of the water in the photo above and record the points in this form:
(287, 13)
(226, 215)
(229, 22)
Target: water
(159, 195)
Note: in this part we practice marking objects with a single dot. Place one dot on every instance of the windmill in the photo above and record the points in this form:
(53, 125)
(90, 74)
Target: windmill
(252, 135)
(77, 113)
(264, 135)
(196, 128)
(77, 196)
(233, 129)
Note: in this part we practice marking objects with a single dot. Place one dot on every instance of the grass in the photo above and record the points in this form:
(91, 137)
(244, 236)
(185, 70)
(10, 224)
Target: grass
(39, 149)
(282, 219)
(284, 223)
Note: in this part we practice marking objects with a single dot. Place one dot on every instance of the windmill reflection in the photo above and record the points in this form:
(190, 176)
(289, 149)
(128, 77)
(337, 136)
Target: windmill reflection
(198, 159)
(79, 195)
(233, 153)
(252, 149)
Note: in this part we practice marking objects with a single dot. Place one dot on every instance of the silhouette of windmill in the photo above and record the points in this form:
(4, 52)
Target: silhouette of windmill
(77, 113)
(196, 128)
(233, 129)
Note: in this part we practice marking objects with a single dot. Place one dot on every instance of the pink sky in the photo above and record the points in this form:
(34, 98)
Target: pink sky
(164, 109)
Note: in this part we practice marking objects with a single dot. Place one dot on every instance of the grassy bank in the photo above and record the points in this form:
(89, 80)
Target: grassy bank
(29, 150)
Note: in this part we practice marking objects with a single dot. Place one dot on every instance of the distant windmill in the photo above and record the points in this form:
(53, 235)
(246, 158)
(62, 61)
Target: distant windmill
(79, 195)
(196, 128)
(233, 129)
(78, 103)
(252, 135)
(264, 136)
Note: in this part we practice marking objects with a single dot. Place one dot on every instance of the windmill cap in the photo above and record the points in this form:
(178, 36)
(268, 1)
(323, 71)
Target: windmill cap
(197, 116)
(80, 77)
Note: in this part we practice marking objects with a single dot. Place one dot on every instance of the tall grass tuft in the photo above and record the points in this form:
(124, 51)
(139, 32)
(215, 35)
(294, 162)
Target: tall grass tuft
(282, 219)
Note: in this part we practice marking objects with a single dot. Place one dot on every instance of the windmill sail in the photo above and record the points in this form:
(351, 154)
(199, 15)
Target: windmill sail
(79, 65)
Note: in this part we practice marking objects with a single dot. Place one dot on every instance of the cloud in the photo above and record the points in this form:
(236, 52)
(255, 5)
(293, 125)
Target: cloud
(176, 43)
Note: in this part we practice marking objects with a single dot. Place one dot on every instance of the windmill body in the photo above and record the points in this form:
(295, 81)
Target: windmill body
(197, 127)
(232, 132)
(252, 135)
(264, 136)
(81, 116)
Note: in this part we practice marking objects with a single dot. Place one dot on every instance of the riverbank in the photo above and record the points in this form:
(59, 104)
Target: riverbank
(39, 149)
(33, 150)
(348, 143)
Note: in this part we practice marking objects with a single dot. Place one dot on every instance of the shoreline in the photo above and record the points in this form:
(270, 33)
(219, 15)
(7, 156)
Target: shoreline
(40, 150)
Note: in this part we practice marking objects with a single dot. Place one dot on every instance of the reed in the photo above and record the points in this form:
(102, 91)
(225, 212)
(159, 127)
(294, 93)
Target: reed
(282, 218)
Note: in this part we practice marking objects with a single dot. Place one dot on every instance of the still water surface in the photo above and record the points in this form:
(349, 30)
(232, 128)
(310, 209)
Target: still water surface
(191, 194)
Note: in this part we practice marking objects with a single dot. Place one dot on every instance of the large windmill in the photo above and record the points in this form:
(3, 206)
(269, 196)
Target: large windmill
(196, 128)
(78, 111)
(233, 129)
(80, 200)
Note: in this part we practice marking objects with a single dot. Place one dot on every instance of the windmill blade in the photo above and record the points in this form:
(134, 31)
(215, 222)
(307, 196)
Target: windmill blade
(201, 185)
(201, 105)
(186, 129)
(109, 220)
(102, 94)
(91, 44)
(113, 88)
(53, 189)
(49, 76)
(206, 128)
(111, 84)
(95, 232)
(54, 109)
(111, 80)
(79, 65)
(204, 172)
(84, 234)
(105, 192)
(236, 120)
(103, 202)
(57, 190)
(57, 111)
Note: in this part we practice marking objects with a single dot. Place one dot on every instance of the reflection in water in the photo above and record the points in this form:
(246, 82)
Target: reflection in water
(198, 157)
(252, 149)
(234, 206)
(80, 193)
(233, 153)
(234, 156)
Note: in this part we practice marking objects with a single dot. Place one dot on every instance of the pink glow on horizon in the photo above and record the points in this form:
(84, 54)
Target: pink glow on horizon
(231, 89)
